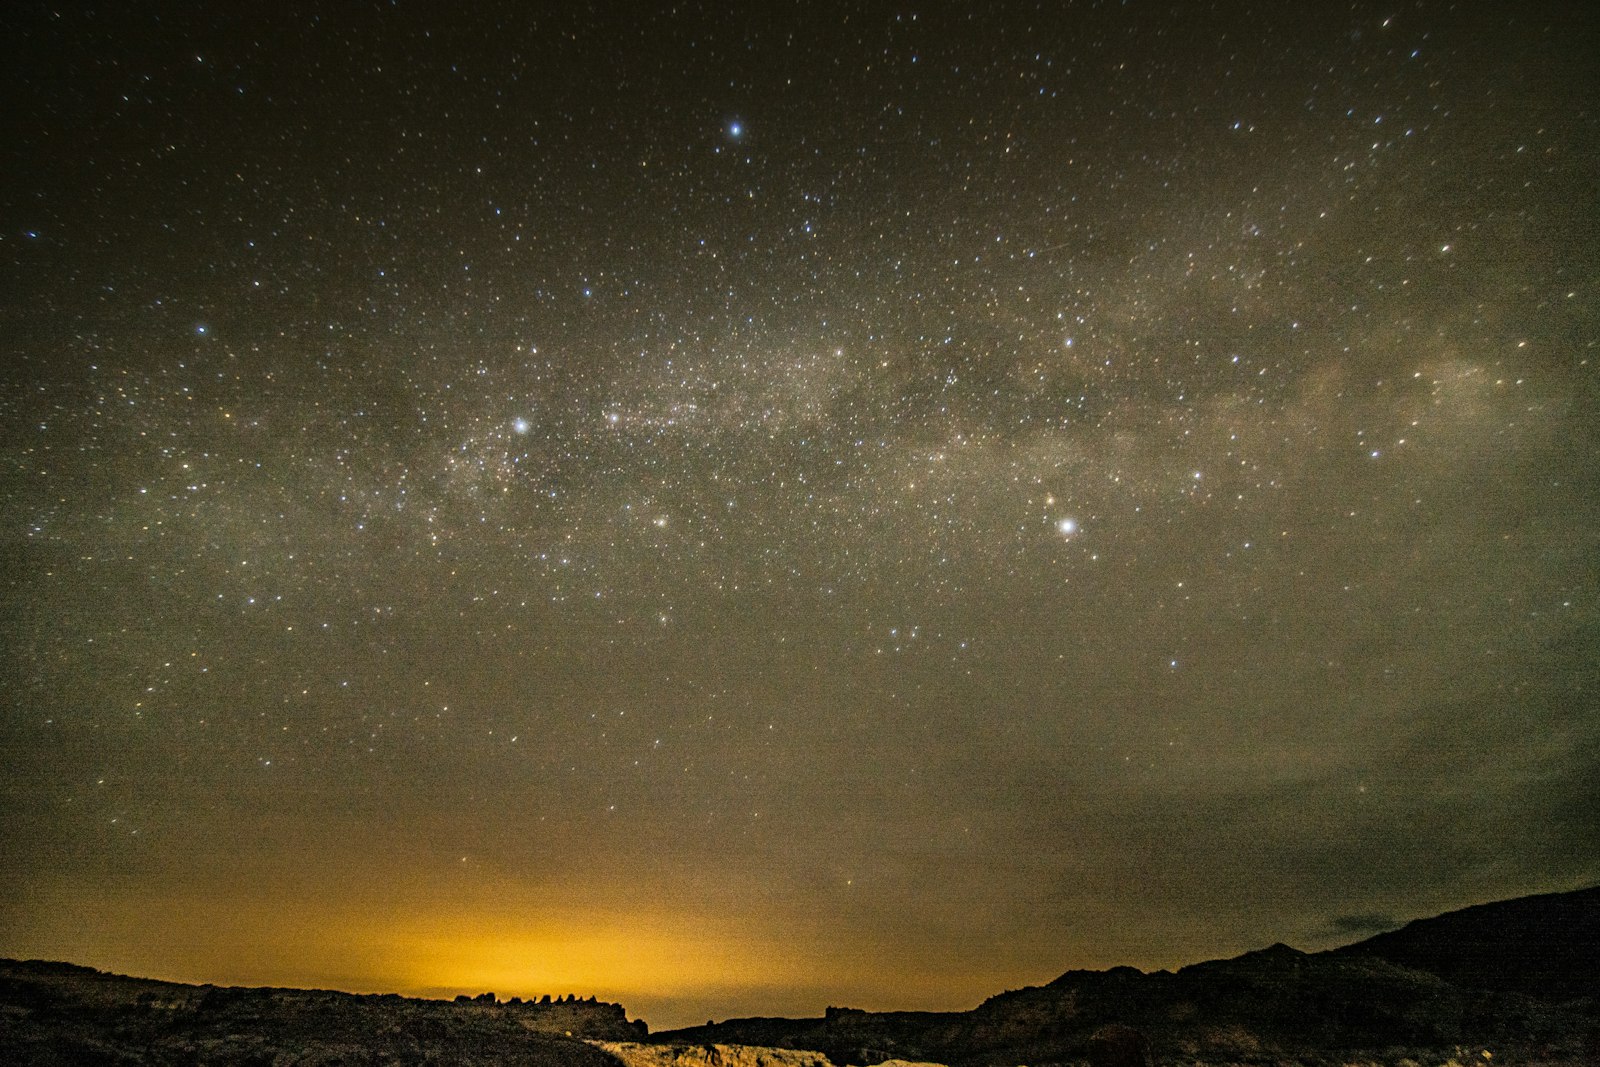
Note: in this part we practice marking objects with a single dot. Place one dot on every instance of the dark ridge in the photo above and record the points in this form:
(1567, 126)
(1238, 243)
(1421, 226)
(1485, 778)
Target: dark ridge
(1545, 946)
(61, 1013)
(1515, 979)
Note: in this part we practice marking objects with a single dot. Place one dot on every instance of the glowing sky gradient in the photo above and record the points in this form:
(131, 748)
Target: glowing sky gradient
(734, 512)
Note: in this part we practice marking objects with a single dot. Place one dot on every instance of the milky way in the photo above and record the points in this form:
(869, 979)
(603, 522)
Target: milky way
(737, 512)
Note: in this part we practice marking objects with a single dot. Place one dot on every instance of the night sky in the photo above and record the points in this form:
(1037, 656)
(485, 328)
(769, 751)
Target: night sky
(740, 510)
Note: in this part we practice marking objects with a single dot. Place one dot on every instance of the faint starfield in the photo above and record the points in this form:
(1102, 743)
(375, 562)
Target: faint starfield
(885, 503)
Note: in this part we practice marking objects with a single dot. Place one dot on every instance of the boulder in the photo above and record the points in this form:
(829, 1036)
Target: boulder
(1116, 1045)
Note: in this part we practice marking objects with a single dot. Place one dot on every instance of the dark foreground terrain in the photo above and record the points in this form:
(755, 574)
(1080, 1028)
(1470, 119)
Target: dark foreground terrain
(57, 1013)
(1512, 983)
(1516, 982)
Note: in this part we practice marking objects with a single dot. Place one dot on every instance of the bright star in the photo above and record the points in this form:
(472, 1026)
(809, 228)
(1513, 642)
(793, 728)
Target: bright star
(1068, 527)
(520, 425)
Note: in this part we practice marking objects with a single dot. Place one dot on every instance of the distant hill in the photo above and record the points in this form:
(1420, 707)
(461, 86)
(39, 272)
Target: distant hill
(1545, 946)
(1518, 980)
(1511, 983)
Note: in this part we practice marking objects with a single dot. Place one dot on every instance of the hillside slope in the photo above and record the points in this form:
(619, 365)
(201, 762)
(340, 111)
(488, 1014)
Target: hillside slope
(1424, 992)
(1545, 946)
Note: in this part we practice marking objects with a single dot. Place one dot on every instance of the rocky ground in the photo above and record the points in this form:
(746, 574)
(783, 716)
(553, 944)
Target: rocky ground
(52, 1013)
(635, 1054)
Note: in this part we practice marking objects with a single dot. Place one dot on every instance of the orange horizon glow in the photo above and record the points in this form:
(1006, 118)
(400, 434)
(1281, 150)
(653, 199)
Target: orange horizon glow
(676, 963)
(670, 967)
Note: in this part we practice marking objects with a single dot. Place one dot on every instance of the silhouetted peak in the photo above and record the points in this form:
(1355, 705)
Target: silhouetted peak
(1544, 945)
(1275, 951)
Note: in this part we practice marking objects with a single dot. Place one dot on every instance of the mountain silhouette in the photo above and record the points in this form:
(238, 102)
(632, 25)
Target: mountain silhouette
(1518, 977)
(1513, 982)
(1545, 946)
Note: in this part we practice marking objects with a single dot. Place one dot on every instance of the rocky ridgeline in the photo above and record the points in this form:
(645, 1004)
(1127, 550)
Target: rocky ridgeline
(1516, 982)
(570, 1015)
(55, 1013)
